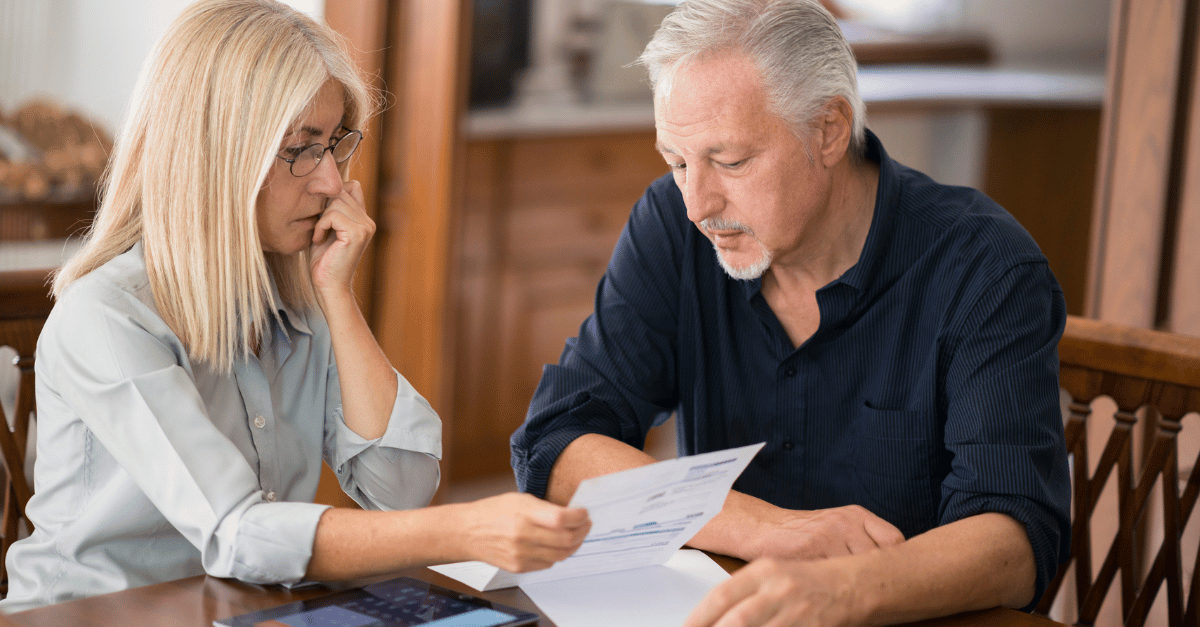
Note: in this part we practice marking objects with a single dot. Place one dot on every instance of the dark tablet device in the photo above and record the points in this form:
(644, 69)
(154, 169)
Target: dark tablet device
(399, 602)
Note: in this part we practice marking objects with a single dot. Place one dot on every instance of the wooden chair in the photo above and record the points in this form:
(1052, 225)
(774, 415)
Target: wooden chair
(24, 305)
(1153, 377)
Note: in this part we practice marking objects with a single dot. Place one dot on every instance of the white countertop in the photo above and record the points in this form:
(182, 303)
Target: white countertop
(967, 86)
(908, 85)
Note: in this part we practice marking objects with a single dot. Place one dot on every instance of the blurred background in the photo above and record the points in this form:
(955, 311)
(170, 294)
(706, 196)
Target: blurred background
(515, 142)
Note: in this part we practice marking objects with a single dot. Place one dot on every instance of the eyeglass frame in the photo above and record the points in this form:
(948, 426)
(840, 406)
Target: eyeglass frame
(330, 148)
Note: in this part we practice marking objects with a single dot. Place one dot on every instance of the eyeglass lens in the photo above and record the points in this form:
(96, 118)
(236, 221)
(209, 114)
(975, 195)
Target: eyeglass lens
(308, 160)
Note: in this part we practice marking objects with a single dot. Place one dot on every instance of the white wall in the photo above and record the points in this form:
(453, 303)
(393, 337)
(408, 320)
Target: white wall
(82, 53)
(949, 145)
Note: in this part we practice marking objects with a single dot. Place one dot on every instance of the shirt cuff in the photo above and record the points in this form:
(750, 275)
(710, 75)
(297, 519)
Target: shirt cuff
(276, 542)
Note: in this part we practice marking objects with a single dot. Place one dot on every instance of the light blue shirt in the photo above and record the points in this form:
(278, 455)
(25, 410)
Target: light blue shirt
(152, 467)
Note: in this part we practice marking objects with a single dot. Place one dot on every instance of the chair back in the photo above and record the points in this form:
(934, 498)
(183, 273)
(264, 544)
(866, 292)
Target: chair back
(1153, 377)
(24, 305)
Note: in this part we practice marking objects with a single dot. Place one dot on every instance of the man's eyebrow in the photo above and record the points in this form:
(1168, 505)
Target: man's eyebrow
(712, 150)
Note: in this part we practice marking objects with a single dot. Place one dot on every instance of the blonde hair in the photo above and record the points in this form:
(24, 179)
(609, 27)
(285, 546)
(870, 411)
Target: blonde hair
(210, 110)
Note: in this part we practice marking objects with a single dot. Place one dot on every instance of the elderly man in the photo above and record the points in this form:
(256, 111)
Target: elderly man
(891, 339)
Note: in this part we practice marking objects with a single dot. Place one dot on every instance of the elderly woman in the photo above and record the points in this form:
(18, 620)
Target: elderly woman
(206, 352)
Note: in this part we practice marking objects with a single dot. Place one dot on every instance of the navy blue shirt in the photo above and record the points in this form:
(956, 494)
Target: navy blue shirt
(929, 392)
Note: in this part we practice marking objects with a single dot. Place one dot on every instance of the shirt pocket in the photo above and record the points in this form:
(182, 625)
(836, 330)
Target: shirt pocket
(893, 461)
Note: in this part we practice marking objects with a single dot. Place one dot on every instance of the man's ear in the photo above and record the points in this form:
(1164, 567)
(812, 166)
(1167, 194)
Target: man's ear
(835, 126)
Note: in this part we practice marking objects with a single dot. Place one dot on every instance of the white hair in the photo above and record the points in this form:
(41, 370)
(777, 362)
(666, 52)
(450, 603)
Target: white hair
(797, 46)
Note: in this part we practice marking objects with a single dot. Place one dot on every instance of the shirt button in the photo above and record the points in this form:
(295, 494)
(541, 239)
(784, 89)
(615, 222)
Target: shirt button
(788, 445)
(790, 371)
(260, 422)
(271, 497)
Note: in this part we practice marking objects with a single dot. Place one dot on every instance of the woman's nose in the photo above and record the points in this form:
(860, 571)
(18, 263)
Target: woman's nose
(326, 179)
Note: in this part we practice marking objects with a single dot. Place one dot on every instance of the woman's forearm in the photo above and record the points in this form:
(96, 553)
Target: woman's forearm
(517, 532)
(354, 543)
(367, 380)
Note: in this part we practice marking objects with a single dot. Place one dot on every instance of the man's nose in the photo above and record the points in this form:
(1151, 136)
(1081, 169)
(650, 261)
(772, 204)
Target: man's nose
(701, 196)
(326, 179)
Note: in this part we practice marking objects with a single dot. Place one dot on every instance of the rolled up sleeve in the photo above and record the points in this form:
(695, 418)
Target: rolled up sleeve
(398, 470)
(1004, 424)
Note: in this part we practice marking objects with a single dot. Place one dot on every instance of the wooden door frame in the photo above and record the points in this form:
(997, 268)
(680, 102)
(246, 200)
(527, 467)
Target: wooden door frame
(364, 25)
(420, 49)
(417, 50)
(1142, 174)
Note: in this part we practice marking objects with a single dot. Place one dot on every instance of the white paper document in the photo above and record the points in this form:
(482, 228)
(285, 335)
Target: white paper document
(640, 517)
(654, 596)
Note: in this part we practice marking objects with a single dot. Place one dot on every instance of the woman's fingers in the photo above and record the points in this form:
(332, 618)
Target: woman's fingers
(521, 533)
(339, 238)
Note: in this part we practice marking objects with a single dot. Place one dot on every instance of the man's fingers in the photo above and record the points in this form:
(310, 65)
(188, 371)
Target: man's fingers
(883, 533)
(721, 599)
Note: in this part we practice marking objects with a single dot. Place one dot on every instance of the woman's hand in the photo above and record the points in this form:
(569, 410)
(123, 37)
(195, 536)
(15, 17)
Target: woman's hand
(339, 239)
(520, 532)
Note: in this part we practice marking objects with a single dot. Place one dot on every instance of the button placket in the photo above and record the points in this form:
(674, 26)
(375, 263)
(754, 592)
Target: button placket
(789, 371)
(256, 394)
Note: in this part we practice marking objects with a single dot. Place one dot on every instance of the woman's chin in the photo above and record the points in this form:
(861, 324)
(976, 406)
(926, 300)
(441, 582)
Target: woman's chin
(291, 246)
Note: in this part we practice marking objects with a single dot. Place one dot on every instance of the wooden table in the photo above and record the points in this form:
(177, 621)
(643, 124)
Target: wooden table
(197, 601)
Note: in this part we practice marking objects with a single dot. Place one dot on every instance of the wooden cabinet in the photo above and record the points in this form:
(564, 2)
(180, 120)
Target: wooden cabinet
(1040, 165)
(539, 220)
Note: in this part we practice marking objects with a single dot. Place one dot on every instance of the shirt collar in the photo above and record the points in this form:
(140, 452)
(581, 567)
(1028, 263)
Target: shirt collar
(887, 195)
(294, 321)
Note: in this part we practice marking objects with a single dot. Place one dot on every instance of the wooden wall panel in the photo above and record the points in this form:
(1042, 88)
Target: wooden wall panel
(1135, 166)
(1048, 184)
(540, 218)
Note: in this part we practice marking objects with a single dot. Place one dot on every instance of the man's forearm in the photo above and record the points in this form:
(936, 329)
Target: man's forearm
(590, 455)
(974, 563)
(746, 527)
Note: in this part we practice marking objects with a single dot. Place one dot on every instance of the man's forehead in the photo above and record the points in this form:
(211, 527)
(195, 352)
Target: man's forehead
(725, 85)
(709, 129)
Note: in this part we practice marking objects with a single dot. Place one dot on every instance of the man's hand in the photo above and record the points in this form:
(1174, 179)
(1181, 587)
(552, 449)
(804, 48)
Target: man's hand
(823, 533)
(750, 528)
(747, 527)
(974, 563)
(781, 593)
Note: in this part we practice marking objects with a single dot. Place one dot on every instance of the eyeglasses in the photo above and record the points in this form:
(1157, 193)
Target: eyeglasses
(304, 160)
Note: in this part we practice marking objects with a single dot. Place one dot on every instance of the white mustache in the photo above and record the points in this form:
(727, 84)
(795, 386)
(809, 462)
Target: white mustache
(717, 224)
